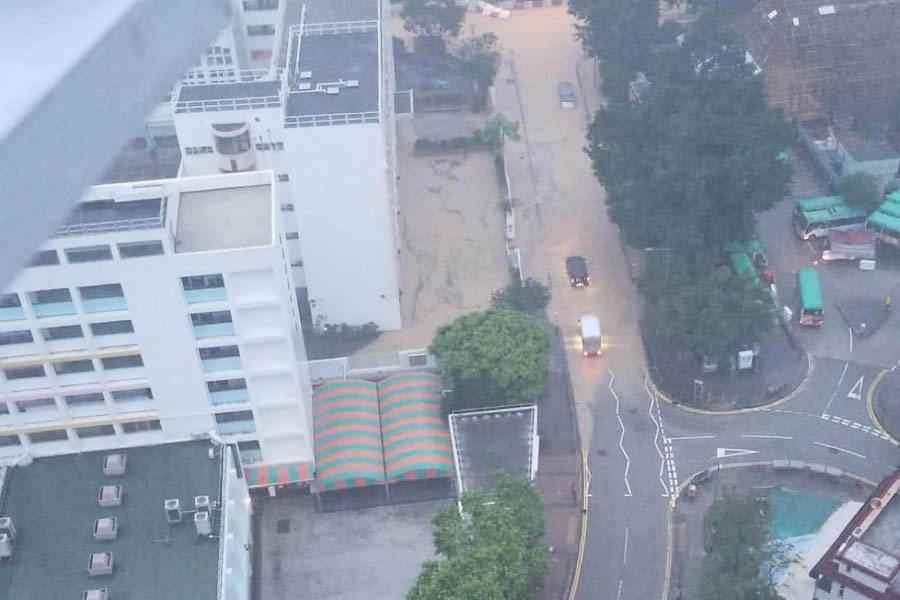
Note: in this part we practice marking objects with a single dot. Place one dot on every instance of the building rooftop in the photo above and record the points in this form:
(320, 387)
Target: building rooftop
(102, 216)
(53, 503)
(339, 59)
(229, 91)
(488, 443)
(138, 162)
(224, 218)
(332, 11)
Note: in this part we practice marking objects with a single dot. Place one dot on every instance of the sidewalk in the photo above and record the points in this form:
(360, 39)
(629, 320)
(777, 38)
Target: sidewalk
(886, 403)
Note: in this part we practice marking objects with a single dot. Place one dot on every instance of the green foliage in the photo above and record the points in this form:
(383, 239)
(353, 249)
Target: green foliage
(861, 189)
(701, 310)
(526, 296)
(433, 18)
(740, 559)
(492, 358)
(495, 132)
(480, 58)
(494, 552)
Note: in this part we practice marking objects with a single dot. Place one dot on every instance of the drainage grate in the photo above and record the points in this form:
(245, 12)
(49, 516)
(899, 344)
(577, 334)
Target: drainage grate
(283, 526)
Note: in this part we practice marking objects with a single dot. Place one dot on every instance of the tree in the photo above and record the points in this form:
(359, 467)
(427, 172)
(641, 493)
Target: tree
(492, 358)
(861, 189)
(433, 18)
(526, 296)
(480, 58)
(495, 132)
(493, 552)
(740, 558)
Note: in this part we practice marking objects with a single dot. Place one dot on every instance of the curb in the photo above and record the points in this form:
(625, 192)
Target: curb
(810, 368)
(870, 406)
(822, 469)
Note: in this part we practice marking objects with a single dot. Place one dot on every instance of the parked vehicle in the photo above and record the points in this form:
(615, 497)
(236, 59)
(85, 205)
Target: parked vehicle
(885, 222)
(576, 267)
(812, 312)
(815, 217)
(591, 338)
(850, 244)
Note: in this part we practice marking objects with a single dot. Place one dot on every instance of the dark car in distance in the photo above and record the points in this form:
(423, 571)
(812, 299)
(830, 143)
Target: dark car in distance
(576, 267)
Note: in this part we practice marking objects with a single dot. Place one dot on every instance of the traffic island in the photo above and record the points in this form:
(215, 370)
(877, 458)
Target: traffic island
(884, 407)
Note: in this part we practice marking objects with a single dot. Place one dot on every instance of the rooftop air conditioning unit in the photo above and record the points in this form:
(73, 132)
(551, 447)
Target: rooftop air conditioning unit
(173, 510)
(106, 528)
(305, 74)
(99, 594)
(7, 527)
(332, 90)
(354, 83)
(202, 523)
(304, 86)
(101, 563)
(114, 465)
(6, 545)
(201, 503)
(110, 495)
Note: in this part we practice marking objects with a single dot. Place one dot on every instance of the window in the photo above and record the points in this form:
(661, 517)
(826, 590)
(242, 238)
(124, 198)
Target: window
(54, 435)
(70, 367)
(14, 373)
(219, 352)
(203, 288)
(112, 327)
(260, 54)
(253, 30)
(122, 362)
(229, 146)
(20, 336)
(287, 207)
(35, 405)
(284, 177)
(79, 400)
(140, 426)
(52, 303)
(10, 440)
(297, 263)
(292, 235)
(235, 422)
(44, 258)
(95, 431)
(251, 452)
(10, 301)
(263, 147)
(63, 332)
(277, 145)
(88, 254)
(133, 395)
(227, 391)
(226, 385)
(4, 408)
(103, 298)
(211, 318)
(260, 4)
(139, 249)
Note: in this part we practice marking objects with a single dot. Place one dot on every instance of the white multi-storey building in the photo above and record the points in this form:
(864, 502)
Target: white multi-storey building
(306, 89)
(162, 310)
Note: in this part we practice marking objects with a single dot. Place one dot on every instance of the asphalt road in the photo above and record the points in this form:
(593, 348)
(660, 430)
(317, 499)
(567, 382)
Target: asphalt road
(639, 448)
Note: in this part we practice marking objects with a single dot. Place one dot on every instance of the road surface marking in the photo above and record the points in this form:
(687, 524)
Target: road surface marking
(850, 329)
(690, 437)
(855, 392)
(839, 449)
(836, 388)
(612, 378)
(619, 593)
(763, 436)
(625, 551)
(732, 452)
(666, 463)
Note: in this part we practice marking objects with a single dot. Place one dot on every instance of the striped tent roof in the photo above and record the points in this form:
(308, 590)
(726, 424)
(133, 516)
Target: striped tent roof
(264, 475)
(416, 438)
(347, 435)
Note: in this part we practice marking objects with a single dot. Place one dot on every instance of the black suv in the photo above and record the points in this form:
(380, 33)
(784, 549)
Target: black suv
(576, 267)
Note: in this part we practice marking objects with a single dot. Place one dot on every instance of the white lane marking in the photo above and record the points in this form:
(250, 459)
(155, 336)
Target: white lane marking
(619, 593)
(690, 437)
(732, 452)
(625, 551)
(763, 436)
(666, 458)
(839, 449)
(850, 329)
(836, 388)
(612, 378)
(855, 392)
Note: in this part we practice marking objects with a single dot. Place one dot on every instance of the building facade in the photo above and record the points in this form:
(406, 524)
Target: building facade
(162, 310)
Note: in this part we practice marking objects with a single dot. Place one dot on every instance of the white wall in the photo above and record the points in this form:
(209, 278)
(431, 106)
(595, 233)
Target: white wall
(236, 568)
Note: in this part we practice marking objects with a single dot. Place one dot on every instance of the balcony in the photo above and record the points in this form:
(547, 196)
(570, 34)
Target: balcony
(213, 330)
(54, 309)
(235, 427)
(229, 397)
(204, 295)
(98, 305)
(12, 313)
(228, 363)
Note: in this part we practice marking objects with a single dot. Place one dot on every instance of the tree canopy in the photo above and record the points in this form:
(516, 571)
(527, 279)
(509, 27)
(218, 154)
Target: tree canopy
(526, 296)
(861, 189)
(492, 551)
(433, 18)
(492, 358)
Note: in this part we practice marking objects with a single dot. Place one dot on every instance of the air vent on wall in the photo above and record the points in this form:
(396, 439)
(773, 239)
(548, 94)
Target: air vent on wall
(98, 594)
(114, 465)
(202, 523)
(6, 545)
(173, 510)
(7, 527)
(201, 503)
(106, 528)
(110, 495)
(101, 563)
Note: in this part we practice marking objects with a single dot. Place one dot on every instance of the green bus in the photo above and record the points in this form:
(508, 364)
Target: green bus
(817, 222)
(807, 204)
(812, 311)
(886, 227)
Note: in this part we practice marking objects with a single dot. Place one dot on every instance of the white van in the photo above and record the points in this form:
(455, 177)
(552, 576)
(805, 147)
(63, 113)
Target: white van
(591, 339)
